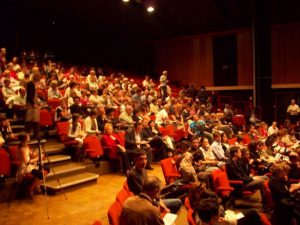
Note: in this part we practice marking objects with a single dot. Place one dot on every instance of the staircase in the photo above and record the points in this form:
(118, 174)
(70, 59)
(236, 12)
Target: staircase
(64, 172)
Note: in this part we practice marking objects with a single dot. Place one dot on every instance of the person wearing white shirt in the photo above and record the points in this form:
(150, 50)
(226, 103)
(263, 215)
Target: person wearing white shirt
(293, 110)
(273, 128)
(53, 91)
(90, 125)
(216, 147)
(162, 116)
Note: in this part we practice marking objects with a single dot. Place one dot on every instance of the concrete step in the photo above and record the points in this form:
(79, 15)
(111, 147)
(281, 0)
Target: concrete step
(65, 168)
(56, 158)
(54, 148)
(72, 180)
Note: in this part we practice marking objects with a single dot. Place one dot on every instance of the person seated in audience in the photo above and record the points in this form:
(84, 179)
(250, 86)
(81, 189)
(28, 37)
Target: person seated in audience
(273, 128)
(62, 113)
(285, 196)
(101, 117)
(134, 143)
(75, 133)
(90, 125)
(260, 160)
(113, 141)
(6, 131)
(235, 172)
(289, 139)
(28, 165)
(137, 176)
(94, 98)
(84, 99)
(7, 90)
(140, 209)
(154, 108)
(209, 159)
(252, 132)
(186, 165)
(216, 147)
(78, 108)
(263, 130)
(17, 103)
(126, 116)
(208, 211)
(53, 92)
(162, 117)
(294, 163)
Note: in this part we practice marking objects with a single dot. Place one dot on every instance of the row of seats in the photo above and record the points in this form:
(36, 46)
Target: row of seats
(114, 211)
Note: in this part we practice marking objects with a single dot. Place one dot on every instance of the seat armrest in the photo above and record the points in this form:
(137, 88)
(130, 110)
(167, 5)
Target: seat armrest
(236, 182)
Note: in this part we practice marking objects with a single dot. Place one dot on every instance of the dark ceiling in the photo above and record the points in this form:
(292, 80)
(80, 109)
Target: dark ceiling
(109, 31)
(172, 18)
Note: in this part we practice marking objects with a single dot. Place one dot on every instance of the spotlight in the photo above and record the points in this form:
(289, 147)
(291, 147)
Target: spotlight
(150, 9)
(126, 1)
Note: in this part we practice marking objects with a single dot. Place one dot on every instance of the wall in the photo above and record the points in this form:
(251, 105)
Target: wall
(190, 59)
(286, 54)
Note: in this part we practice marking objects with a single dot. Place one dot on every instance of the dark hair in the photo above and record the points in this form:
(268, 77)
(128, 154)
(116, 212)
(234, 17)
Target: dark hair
(139, 153)
(74, 122)
(138, 123)
(233, 150)
(252, 146)
(30, 93)
(207, 209)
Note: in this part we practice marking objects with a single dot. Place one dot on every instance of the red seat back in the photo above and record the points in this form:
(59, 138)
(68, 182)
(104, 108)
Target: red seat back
(92, 147)
(169, 170)
(214, 175)
(54, 102)
(62, 130)
(45, 118)
(190, 218)
(114, 213)
(5, 166)
(222, 181)
(97, 222)
(123, 195)
(268, 195)
(121, 135)
(187, 203)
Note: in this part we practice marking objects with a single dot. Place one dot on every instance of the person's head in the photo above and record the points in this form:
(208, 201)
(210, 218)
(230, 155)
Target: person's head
(129, 109)
(208, 210)
(195, 142)
(252, 146)
(293, 102)
(217, 136)
(76, 100)
(245, 153)
(140, 159)
(224, 137)
(252, 128)
(76, 117)
(235, 152)
(280, 171)
(294, 157)
(93, 113)
(195, 117)
(24, 138)
(53, 84)
(6, 82)
(138, 126)
(151, 187)
(274, 124)
(108, 129)
(204, 142)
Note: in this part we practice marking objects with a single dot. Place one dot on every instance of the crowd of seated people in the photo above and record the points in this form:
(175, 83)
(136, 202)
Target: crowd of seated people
(153, 120)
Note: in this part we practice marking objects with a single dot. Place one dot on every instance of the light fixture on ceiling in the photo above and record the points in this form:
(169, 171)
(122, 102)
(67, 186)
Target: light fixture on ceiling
(126, 1)
(150, 9)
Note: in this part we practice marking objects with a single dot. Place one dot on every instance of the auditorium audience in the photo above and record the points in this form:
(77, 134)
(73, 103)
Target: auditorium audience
(152, 119)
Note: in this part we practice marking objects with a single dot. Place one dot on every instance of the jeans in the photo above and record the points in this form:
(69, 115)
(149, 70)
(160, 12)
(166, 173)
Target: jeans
(173, 204)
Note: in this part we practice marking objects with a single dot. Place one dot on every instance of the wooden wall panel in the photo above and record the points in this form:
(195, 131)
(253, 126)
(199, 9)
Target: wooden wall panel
(286, 53)
(190, 59)
(245, 58)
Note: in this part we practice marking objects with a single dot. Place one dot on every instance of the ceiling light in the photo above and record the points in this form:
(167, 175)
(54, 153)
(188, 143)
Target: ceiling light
(150, 9)
(125, 1)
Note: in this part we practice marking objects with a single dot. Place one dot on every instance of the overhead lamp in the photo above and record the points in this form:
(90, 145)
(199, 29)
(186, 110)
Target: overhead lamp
(150, 9)
(126, 1)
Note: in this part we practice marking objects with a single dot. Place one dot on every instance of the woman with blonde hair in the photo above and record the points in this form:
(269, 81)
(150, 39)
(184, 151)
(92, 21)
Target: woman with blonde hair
(112, 141)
